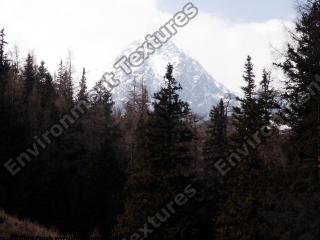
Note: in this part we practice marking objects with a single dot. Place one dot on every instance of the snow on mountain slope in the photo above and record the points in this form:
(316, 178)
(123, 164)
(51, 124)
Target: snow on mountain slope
(199, 87)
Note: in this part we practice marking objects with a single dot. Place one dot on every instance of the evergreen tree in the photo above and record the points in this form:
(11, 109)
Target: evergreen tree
(47, 94)
(169, 128)
(105, 174)
(29, 76)
(139, 187)
(46, 83)
(170, 144)
(247, 115)
(65, 85)
(214, 193)
(4, 63)
(130, 121)
(82, 95)
(162, 170)
(3, 57)
(302, 67)
(267, 98)
(239, 220)
(216, 142)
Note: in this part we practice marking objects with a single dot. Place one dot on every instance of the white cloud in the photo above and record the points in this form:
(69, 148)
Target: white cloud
(96, 31)
(222, 46)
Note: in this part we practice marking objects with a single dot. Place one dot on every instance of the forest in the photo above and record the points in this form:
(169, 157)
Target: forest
(154, 169)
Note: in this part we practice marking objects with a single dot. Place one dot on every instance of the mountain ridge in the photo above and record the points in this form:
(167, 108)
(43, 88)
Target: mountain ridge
(199, 88)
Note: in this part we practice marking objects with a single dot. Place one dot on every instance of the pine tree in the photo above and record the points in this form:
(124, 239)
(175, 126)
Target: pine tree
(130, 121)
(216, 142)
(161, 172)
(65, 85)
(239, 218)
(82, 95)
(46, 81)
(215, 148)
(249, 89)
(139, 183)
(4, 63)
(3, 56)
(267, 98)
(47, 94)
(29, 75)
(8, 127)
(169, 129)
(139, 197)
(302, 67)
(105, 173)
(170, 142)
(247, 115)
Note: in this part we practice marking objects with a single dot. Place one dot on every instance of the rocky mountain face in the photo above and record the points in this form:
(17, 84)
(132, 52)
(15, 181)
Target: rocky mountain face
(200, 89)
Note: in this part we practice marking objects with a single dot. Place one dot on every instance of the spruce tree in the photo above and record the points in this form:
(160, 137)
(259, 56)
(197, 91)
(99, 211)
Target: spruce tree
(163, 169)
(170, 135)
(29, 75)
(139, 199)
(267, 98)
(239, 218)
(65, 85)
(4, 63)
(170, 142)
(3, 56)
(216, 140)
(215, 148)
(302, 68)
(105, 174)
(47, 94)
(246, 116)
(82, 94)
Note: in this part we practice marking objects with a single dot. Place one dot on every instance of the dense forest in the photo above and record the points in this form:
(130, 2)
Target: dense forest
(154, 169)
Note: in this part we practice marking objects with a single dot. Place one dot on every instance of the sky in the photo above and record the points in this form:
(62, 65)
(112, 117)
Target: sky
(94, 32)
(241, 11)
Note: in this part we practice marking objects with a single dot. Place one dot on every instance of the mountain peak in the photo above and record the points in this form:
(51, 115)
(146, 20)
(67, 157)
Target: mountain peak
(200, 89)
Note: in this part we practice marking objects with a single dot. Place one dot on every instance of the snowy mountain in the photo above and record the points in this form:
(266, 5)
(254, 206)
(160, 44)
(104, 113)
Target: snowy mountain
(200, 89)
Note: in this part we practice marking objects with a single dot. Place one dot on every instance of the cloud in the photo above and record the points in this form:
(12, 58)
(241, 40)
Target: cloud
(222, 46)
(96, 31)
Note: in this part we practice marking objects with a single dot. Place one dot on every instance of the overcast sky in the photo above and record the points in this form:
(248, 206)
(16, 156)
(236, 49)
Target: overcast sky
(244, 10)
(96, 31)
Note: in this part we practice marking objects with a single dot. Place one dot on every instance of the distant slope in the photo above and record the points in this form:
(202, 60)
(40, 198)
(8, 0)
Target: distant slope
(10, 226)
(200, 89)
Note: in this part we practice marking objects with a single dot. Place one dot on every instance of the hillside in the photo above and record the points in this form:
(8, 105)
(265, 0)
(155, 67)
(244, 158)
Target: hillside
(10, 226)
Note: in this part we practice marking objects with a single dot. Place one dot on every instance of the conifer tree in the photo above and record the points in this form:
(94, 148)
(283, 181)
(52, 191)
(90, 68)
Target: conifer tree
(65, 85)
(247, 115)
(138, 205)
(216, 142)
(4, 63)
(105, 173)
(239, 219)
(302, 93)
(215, 148)
(3, 57)
(82, 95)
(29, 75)
(161, 172)
(170, 144)
(168, 127)
(47, 94)
(302, 68)
(267, 98)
